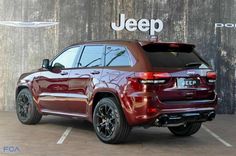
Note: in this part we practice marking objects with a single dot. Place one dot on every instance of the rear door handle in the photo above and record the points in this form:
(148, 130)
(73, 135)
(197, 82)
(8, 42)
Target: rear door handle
(95, 72)
(64, 73)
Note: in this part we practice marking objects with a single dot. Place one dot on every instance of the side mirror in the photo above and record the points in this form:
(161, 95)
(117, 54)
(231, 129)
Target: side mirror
(45, 63)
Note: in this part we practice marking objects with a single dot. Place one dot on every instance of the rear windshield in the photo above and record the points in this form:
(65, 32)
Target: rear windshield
(173, 56)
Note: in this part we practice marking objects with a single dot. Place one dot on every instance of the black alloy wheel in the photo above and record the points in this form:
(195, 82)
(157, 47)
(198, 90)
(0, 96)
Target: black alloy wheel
(109, 121)
(26, 110)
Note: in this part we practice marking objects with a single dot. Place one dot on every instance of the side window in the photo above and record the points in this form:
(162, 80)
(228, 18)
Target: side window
(116, 56)
(66, 59)
(91, 56)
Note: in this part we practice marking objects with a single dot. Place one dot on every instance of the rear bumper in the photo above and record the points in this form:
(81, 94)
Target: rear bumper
(176, 119)
(137, 112)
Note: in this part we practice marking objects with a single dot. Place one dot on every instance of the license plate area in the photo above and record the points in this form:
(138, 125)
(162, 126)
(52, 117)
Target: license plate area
(187, 82)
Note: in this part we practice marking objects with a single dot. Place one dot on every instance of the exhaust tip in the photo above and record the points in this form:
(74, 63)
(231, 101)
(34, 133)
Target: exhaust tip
(211, 116)
(163, 119)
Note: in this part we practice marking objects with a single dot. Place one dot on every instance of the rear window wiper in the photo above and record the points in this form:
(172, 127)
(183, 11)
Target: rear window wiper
(193, 64)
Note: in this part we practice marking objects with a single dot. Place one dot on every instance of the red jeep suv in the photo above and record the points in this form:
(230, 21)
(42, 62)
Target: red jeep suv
(120, 84)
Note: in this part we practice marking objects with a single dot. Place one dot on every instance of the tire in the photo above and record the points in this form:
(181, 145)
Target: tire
(185, 130)
(109, 121)
(26, 110)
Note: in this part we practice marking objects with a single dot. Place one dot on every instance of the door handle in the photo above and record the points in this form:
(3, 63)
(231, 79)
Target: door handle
(64, 73)
(95, 72)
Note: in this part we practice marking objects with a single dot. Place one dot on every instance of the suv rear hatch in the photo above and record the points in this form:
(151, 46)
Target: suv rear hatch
(186, 76)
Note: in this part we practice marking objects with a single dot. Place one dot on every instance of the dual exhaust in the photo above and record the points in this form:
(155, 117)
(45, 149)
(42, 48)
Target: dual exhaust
(173, 120)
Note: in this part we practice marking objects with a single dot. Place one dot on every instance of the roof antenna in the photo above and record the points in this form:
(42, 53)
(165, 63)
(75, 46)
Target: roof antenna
(154, 38)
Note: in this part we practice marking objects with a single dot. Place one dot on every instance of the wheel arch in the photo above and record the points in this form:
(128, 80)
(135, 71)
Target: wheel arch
(98, 95)
(19, 88)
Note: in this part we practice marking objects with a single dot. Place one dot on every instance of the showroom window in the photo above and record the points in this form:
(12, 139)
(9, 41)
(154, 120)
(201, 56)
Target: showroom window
(116, 56)
(91, 56)
(66, 59)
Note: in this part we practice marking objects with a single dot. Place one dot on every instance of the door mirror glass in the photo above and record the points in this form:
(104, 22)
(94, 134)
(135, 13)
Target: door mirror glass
(45, 63)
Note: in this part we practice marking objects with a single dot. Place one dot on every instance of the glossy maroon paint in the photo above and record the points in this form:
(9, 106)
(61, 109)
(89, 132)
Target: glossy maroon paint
(72, 92)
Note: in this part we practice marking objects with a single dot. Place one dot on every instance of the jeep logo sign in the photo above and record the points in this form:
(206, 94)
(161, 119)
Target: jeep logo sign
(143, 25)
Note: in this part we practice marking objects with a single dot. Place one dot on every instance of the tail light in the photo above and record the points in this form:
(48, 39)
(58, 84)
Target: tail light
(211, 76)
(153, 77)
(141, 78)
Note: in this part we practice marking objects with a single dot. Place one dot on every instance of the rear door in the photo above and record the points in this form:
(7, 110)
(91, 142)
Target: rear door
(188, 73)
(85, 78)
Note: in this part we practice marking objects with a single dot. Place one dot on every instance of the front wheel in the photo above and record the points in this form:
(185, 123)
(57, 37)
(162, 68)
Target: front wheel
(185, 130)
(109, 121)
(26, 110)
